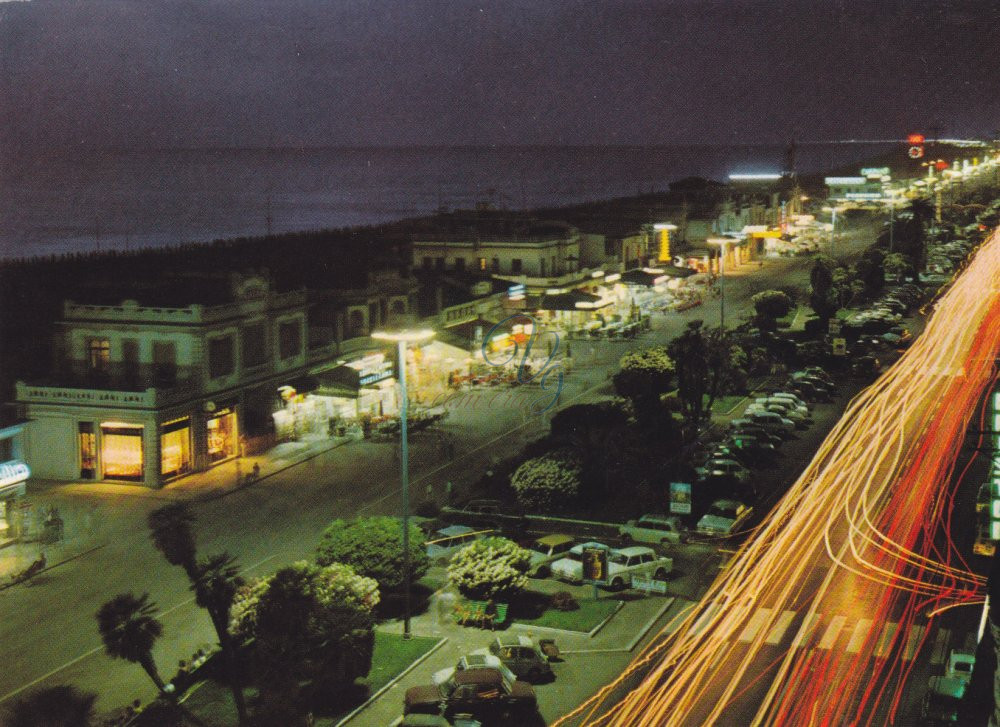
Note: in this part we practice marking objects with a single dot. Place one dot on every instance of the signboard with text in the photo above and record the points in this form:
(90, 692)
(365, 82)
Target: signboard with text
(595, 566)
(840, 347)
(680, 498)
(650, 585)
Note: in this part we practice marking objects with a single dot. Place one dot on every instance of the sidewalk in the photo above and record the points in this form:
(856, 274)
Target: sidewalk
(82, 505)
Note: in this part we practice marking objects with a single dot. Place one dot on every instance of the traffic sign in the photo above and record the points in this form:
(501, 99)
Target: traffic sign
(840, 347)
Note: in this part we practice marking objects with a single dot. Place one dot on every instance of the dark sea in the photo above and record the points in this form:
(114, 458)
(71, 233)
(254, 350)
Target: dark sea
(129, 199)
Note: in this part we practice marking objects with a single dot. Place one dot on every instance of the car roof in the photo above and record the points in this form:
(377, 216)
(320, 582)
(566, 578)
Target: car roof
(478, 676)
(554, 539)
(729, 504)
(513, 640)
(634, 550)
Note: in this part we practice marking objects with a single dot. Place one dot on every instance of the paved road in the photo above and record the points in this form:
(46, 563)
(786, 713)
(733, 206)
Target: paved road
(48, 631)
(822, 616)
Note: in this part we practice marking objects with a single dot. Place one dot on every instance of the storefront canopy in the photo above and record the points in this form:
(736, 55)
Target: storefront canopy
(649, 277)
(573, 300)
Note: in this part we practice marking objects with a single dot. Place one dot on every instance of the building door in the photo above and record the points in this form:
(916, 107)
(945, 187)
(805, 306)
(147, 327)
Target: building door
(88, 451)
(223, 438)
(175, 447)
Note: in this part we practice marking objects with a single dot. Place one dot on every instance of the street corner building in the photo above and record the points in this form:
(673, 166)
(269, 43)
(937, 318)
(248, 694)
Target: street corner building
(144, 394)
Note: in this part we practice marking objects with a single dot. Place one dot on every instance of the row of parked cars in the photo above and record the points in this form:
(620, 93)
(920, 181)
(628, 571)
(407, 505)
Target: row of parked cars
(490, 685)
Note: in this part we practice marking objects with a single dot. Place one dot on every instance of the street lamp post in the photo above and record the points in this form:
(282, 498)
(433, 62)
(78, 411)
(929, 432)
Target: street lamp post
(723, 243)
(401, 338)
(833, 225)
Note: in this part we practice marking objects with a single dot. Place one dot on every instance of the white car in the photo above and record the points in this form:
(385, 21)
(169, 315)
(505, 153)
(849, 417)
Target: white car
(799, 419)
(723, 517)
(656, 529)
(789, 396)
(570, 568)
(636, 561)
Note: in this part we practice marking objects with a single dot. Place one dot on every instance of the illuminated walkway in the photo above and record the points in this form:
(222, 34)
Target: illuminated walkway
(852, 555)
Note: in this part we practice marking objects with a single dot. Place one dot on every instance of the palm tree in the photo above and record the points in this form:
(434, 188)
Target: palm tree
(214, 585)
(60, 706)
(129, 628)
(170, 529)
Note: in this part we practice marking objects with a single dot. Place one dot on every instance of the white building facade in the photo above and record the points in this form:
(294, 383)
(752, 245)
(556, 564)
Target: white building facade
(149, 394)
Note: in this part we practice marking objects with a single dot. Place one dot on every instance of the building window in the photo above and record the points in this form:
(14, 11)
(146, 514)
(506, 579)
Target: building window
(254, 345)
(495, 265)
(516, 265)
(543, 267)
(289, 339)
(121, 451)
(357, 323)
(220, 356)
(165, 362)
(6, 450)
(482, 264)
(428, 262)
(98, 354)
(398, 307)
(130, 360)
(459, 264)
(439, 263)
(175, 447)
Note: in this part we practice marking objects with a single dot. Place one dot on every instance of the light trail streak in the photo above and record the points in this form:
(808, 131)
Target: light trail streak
(866, 509)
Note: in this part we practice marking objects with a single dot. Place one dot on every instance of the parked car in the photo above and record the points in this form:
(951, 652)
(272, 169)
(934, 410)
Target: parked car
(522, 656)
(789, 396)
(653, 528)
(451, 539)
(755, 430)
(772, 422)
(723, 468)
(547, 549)
(570, 568)
(636, 561)
(789, 404)
(797, 418)
(483, 693)
(474, 661)
(754, 448)
(723, 517)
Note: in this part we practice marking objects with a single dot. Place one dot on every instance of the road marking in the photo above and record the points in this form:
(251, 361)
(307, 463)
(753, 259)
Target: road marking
(805, 630)
(778, 632)
(704, 619)
(831, 633)
(755, 624)
(96, 649)
(858, 635)
(888, 632)
(912, 642)
(940, 646)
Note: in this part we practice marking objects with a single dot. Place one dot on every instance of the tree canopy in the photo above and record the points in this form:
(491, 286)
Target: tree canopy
(373, 547)
(490, 568)
(547, 483)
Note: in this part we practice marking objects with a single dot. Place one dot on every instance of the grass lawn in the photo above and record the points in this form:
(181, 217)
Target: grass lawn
(725, 404)
(589, 615)
(392, 654)
(212, 703)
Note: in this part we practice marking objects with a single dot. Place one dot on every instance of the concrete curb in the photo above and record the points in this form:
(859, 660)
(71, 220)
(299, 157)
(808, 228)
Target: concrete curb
(391, 683)
(649, 624)
(594, 631)
(88, 551)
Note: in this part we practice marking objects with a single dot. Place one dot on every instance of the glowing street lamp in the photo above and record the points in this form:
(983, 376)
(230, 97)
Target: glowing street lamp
(402, 338)
(722, 243)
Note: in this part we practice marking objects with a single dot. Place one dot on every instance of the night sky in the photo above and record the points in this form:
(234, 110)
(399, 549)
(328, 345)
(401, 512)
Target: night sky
(107, 73)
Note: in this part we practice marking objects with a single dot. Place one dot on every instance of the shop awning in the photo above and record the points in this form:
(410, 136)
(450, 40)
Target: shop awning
(303, 384)
(573, 300)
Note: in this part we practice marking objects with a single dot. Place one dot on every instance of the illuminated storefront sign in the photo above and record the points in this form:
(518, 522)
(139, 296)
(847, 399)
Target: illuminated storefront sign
(876, 172)
(516, 292)
(13, 472)
(372, 368)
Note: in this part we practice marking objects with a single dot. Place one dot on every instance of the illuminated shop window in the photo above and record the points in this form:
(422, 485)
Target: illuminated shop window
(121, 451)
(222, 435)
(175, 447)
